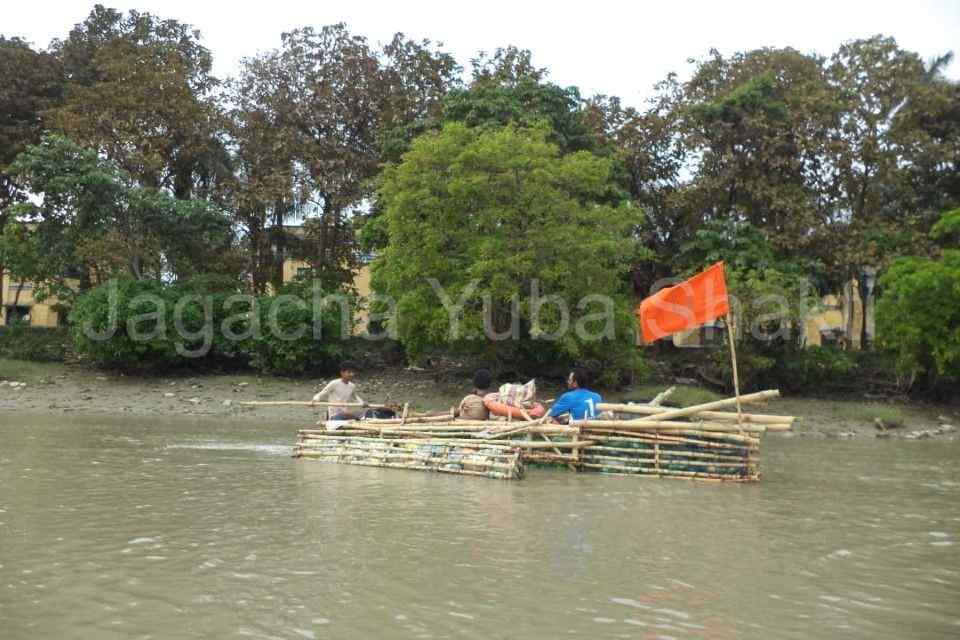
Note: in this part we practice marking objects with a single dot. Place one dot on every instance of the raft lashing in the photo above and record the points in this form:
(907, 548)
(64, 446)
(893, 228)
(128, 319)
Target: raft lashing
(643, 440)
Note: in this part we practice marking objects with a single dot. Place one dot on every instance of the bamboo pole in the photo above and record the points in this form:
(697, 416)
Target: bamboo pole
(646, 409)
(719, 457)
(465, 472)
(666, 425)
(759, 396)
(311, 403)
(714, 435)
(509, 444)
(700, 477)
(658, 400)
(657, 462)
(429, 429)
(736, 376)
(540, 457)
(398, 457)
(650, 437)
(660, 472)
(572, 467)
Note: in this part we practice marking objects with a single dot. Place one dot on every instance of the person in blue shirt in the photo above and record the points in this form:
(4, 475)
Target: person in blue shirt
(580, 403)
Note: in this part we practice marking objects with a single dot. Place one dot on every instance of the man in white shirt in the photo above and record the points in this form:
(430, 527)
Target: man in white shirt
(341, 393)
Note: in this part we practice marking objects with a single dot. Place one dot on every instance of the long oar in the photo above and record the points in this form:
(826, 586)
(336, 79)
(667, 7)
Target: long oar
(311, 403)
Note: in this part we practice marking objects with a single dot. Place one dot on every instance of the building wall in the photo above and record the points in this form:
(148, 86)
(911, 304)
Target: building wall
(361, 282)
(41, 313)
(839, 315)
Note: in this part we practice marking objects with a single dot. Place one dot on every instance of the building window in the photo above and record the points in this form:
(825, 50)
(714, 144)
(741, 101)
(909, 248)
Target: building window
(304, 273)
(17, 315)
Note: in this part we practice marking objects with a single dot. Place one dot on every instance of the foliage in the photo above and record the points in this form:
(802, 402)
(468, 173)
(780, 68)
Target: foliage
(20, 342)
(947, 229)
(313, 123)
(297, 332)
(525, 102)
(496, 216)
(771, 294)
(19, 255)
(787, 165)
(124, 323)
(140, 91)
(918, 316)
(816, 368)
(94, 222)
(142, 324)
(32, 82)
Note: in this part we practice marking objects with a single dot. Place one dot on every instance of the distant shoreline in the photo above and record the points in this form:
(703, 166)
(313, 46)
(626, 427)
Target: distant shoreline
(57, 389)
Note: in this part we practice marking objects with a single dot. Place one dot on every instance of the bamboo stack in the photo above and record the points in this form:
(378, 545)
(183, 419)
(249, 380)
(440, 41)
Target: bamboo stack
(701, 442)
(473, 459)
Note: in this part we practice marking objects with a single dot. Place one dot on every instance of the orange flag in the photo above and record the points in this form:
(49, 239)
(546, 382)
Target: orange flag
(687, 305)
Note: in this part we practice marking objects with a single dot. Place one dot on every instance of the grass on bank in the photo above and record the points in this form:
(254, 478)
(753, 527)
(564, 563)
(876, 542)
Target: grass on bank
(868, 413)
(683, 395)
(25, 371)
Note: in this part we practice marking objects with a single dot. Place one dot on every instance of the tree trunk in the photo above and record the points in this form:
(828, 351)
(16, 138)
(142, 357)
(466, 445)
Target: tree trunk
(16, 295)
(135, 267)
(852, 310)
(279, 245)
(866, 285)
(84, 278)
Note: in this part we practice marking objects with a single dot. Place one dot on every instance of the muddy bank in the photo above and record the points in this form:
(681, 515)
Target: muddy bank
(58, 389)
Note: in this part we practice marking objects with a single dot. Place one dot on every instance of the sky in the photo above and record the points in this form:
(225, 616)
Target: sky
(616, 48)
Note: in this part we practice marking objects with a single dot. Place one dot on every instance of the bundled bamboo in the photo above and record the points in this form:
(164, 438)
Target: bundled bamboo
(696, 442)
(695, 455)
(710, 406)
(443, 456)
(665, 425)
(772, 422)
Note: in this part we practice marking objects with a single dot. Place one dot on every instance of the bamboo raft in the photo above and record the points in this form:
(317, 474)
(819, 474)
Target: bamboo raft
(475, 459)
(701, 442)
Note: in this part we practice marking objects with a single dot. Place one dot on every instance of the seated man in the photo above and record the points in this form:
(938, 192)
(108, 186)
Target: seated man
(580, 403)
(471, 407)
(343, 390)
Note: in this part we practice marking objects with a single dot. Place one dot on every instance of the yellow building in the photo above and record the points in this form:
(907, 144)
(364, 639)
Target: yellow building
(838, 320)
(293, 269)
(36, 314)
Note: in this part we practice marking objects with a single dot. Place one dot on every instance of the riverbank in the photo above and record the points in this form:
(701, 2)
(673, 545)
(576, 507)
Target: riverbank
(55, 389)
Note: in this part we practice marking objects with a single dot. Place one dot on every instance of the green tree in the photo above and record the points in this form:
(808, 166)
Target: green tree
(918, 313)
(771, 296)
(139, 90)
(314, 121)
(499, 217)
(508, 89)
(299, 330)
(94, 222)
(20, 256)
(32, 82)
(126, 323)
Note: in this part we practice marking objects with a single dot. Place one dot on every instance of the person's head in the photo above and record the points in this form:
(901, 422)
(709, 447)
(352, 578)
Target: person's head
(579, 378)
(348, 370)
(481, 379)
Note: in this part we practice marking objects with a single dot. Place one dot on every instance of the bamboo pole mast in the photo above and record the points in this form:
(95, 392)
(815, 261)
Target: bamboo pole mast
(733, 358)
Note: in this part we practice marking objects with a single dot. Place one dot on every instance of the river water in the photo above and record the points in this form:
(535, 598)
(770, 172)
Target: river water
(139, 528)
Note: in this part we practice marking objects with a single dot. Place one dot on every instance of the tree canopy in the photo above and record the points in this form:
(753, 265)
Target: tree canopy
(832, 165)
(496, 219)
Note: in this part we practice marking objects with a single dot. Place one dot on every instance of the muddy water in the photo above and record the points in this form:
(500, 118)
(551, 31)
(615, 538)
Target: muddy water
(176, 529)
